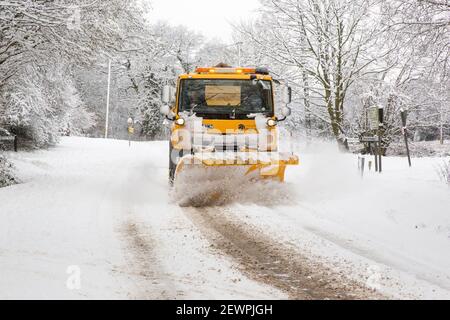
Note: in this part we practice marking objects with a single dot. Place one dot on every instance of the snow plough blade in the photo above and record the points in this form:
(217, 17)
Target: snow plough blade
(218, 178)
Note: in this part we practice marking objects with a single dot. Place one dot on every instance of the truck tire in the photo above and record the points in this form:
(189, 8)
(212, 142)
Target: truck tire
(172, 166)
(174, 157)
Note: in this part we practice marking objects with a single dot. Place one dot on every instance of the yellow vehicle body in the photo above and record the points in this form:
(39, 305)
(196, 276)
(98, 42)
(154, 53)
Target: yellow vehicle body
(254, 163)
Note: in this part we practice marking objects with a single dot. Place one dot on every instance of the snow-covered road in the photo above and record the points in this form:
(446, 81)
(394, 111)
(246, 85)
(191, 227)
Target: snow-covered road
(102, 209)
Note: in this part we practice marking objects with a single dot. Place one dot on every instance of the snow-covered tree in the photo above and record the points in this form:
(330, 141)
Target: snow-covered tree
(342, 57)
(41, 44)
(325, 47)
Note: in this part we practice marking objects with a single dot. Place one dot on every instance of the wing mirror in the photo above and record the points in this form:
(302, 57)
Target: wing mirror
(287, 98)
(168, 95)
(287, 95)
(167, 112)
(286, 112)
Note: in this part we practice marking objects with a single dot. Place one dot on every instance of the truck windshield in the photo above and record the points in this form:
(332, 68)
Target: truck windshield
(226, 99)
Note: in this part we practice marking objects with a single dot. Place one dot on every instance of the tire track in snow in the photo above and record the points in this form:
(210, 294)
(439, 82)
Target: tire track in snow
(143, 265)
(272, 263)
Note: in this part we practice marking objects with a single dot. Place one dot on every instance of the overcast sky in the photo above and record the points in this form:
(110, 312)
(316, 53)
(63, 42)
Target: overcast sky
(210, 17)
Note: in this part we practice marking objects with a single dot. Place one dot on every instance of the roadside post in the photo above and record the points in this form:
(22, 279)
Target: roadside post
(108, 97)
(374, 152)
(404, 115)
(130, 130)
(373, 140)
(376, 125)
(380, 136)
(361, 165)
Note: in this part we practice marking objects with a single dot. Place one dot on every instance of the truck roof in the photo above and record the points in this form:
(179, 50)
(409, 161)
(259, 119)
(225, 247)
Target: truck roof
(228, 73)
(224, 76)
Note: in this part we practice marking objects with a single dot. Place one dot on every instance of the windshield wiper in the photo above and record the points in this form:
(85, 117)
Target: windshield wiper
(233, 113)
(243, 101)
(191, 112)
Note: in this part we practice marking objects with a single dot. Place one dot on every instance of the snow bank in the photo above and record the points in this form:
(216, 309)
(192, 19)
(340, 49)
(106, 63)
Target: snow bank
(397, 223)
(7, 177)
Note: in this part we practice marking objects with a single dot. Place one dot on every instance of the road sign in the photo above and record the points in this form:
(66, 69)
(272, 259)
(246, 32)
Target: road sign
(7, 138)
(374, 118)
(370, 139)
(353, 140)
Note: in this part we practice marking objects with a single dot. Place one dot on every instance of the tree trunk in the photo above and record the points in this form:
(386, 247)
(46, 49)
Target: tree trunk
(308, 124)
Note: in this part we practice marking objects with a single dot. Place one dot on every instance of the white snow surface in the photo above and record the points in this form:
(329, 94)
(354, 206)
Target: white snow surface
(390, 230)
(72, 209)
(77, 201)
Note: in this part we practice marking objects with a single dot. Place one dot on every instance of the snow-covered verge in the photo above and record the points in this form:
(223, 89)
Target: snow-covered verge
(389, 230)
(6, 172)
(421, 149)
(104, 208)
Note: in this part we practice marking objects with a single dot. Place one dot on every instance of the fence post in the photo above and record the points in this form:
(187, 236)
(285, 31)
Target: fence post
(15, 144)
(404, 116)
(361, 165)
(374, 150)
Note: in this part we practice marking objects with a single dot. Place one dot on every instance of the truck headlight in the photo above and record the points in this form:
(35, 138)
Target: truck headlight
(180, 122)
(271, 123)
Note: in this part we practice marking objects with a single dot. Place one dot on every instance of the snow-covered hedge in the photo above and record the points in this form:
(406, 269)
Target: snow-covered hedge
(6, 173)
(420, 149)
(42, 107)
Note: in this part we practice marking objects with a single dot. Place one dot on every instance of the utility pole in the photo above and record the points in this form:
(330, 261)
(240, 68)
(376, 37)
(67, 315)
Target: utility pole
(404, 116)
(441, 124)
(380, 137)
(130, 130)
(239, 44)
(107, 100)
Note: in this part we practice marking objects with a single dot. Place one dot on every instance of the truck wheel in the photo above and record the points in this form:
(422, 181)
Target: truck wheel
(172, 165)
